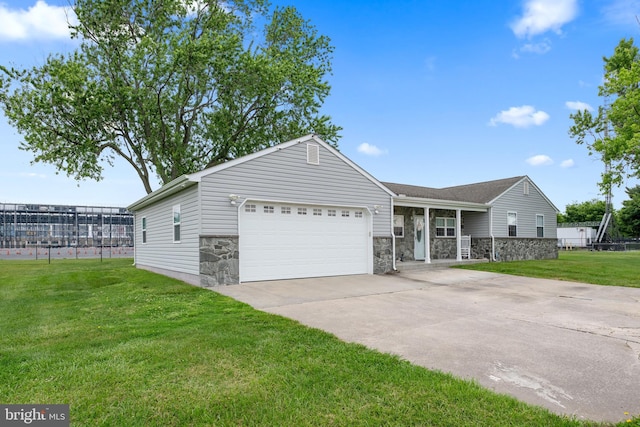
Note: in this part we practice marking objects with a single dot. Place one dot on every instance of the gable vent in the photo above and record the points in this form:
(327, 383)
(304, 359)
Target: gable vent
(313, 154)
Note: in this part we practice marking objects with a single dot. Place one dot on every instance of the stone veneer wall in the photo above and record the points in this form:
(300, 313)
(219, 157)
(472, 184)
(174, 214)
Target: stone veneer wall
(219, 261)
(382, 255)
(515, 249)
(441, 247)
(405, 245)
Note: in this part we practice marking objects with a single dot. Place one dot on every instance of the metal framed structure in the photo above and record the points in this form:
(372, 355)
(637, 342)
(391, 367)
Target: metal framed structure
(38, 225)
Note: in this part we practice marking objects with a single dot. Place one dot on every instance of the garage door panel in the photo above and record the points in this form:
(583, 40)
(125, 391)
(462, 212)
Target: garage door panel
(277, 245)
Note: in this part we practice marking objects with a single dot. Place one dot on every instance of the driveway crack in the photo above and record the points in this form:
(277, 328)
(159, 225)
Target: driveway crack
(626, 339)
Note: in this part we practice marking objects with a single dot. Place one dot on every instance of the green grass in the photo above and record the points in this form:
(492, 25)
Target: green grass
(125, 347)
(599, 268)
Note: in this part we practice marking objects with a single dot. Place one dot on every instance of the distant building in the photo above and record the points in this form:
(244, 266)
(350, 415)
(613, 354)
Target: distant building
(34, 225)
(577, 235)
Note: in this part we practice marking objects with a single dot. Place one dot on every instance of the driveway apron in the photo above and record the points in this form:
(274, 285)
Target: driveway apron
(570, 347)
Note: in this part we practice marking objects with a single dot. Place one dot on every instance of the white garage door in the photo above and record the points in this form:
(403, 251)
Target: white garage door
(286, 241)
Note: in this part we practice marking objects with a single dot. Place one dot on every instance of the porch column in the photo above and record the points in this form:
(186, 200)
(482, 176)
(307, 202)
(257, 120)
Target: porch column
(458, 237)
(427, 237)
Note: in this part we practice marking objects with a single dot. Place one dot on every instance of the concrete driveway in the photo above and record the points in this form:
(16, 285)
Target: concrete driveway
(570, 347)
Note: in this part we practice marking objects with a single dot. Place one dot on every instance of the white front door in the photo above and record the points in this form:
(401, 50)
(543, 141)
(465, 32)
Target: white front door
(419, 238)
(285, 241)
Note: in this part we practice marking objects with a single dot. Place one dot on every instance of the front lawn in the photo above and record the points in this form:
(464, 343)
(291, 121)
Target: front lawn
(599, 268)
(125, 347)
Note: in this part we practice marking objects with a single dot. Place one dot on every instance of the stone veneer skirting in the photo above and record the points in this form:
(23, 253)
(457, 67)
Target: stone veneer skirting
(219, 257)
(515, 248)
(219, 261)
(382, 255)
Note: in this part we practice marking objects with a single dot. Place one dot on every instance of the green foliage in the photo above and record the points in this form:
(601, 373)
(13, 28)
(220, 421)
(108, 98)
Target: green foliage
(629, 214)
(172, 87)
(591, 210)
(126, 347)
(614, 132)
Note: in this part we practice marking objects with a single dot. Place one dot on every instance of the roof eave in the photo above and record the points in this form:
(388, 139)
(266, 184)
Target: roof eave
(410, 201)
(166, 190)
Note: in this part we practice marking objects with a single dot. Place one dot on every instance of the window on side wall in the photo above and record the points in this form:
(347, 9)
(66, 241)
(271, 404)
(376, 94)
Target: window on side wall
(398, 225)
(144, 230)
(540, 225)
(512, 224)
(176, 223)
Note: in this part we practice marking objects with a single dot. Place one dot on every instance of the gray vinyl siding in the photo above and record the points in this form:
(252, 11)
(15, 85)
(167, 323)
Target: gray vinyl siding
(285, 176)
(160, 250)
(527, 206)
(476, 224)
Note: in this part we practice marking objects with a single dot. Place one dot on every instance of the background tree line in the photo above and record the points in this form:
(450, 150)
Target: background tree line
(626, 219)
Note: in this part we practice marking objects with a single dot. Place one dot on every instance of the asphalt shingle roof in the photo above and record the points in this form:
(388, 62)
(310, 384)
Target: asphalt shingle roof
(481, 192)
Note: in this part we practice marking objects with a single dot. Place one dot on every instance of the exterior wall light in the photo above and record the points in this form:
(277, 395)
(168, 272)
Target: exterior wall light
(376, 209)
(233, 198)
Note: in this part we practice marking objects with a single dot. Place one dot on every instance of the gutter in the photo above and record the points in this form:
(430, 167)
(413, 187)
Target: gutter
(420, 202)
(165, 191)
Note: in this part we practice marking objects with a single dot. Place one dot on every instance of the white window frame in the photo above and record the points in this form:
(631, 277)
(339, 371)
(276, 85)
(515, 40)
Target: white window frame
(285, 210)
(250, 208)
(176, 224)
(540, 226)
(331, 212)
(317, 212)
(398, 226)
(512, 214)
(143, 226)
(448, 229)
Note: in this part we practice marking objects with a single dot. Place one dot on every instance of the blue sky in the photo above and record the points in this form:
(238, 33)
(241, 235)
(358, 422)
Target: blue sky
(434, 93)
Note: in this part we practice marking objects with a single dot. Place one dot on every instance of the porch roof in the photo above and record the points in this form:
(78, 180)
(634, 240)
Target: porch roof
(478, 193)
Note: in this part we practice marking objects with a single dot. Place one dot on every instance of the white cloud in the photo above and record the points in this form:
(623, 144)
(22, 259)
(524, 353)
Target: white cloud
(622, 13)
(540, 160)
(31, 175)
(540, 16)
(539, 48)
(370, 150)
(40, 21)
(578, 105)
(520, 117)
(567, 163)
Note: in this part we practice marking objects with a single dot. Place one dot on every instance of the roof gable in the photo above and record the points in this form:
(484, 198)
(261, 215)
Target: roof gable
(486, 192)
(481, 192)
(305, 139)
(191, 179)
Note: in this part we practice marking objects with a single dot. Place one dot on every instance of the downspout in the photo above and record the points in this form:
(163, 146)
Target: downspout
(427, 236)
(493, 238)
(393, 239)
(135, 243)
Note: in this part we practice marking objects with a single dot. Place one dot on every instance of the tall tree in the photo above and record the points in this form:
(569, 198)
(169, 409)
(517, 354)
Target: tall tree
(171, 86)
(614, 132)
(591, 210)
(629, 214)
